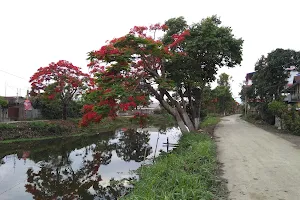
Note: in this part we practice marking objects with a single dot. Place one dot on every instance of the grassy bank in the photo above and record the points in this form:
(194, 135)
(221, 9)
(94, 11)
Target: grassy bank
(189, 172)
(210, 120)
(40, 130)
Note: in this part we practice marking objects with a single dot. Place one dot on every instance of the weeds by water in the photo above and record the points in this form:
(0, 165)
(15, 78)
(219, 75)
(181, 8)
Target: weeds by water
(189, 172)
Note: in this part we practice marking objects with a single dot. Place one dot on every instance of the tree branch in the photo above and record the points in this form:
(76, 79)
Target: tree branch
(162, 102)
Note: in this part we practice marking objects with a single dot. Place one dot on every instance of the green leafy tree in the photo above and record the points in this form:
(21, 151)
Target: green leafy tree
(209, 45)
(270, 80)
(270, 76)
(3, 102)
(52, 108)
(224, 80)
(3, 105)
(222, 92)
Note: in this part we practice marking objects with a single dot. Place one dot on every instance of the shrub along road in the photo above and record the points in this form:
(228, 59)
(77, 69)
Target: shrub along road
(257, 163)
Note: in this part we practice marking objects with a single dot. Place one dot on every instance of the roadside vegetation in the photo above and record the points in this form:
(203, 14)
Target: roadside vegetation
(188, 172)
(289, 117)
(266, 95)
(210, 120)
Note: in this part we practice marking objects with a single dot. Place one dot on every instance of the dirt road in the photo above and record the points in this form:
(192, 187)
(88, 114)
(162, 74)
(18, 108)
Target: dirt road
(257, 164)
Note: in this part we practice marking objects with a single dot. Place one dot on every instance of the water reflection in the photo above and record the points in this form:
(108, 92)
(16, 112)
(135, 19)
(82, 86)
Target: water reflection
(133, 145)
(79, 168)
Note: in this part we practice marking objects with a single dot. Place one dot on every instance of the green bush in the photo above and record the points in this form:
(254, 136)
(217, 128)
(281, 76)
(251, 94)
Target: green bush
(4, 126)
(277, 108)
(210, 120)
(289, 117)
(265, 114)
(291, 121)
(52, 109)
(46, 127)
(38, 125)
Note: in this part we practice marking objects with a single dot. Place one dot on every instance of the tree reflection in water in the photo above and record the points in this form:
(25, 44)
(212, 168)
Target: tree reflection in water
(133, 145)
(56, 179)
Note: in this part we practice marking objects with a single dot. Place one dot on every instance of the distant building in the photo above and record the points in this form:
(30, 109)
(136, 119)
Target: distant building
(292, 73)
(16, 110)
(293, 91)
(249, 79)
(146, 110)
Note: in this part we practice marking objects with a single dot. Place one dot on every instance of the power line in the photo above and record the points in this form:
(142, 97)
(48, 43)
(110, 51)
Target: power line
(13, 75)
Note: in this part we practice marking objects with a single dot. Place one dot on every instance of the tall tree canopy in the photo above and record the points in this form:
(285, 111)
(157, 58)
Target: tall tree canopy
(173, 69)
(225, 102)
(61, 80)
(3, 105)
(270, 80)
(271, 76)
(224, 80)
(3, 102)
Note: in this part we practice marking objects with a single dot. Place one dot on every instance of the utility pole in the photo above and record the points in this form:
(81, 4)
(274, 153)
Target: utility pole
(17, 95)
(245, 105)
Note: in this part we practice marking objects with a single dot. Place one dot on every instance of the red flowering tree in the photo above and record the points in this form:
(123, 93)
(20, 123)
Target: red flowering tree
(61, 80)
(129, 69)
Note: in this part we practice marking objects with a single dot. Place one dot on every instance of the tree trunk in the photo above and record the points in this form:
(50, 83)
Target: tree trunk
(64, 114)
(181, 123)
(192, 108)
(197, 108)
(188, 122)
(197, 122)
(180, 115)
(2, 115)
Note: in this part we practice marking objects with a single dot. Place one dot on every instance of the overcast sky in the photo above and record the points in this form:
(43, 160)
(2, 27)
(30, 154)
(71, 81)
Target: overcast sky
(34, 33)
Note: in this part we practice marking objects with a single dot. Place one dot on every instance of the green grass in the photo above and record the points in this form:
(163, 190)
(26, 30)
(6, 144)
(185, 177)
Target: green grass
(210, 120)
(40, 138)
(46, 127)
(4, 126)
(189, 172)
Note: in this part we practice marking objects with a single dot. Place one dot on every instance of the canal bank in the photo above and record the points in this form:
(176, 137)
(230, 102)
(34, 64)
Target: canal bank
(50, 129)
(191, 171)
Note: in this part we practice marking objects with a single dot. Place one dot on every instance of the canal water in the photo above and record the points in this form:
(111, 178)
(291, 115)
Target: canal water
(87, 167)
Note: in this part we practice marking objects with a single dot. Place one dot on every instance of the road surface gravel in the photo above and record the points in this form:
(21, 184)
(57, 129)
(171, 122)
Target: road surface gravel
(257, 164)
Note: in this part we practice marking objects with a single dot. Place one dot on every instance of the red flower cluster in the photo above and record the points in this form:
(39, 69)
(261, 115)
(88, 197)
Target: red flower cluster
(178, 38)
(126, 106)
(51, 96)
(107, 50)
(140, 30)
(89, 115)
